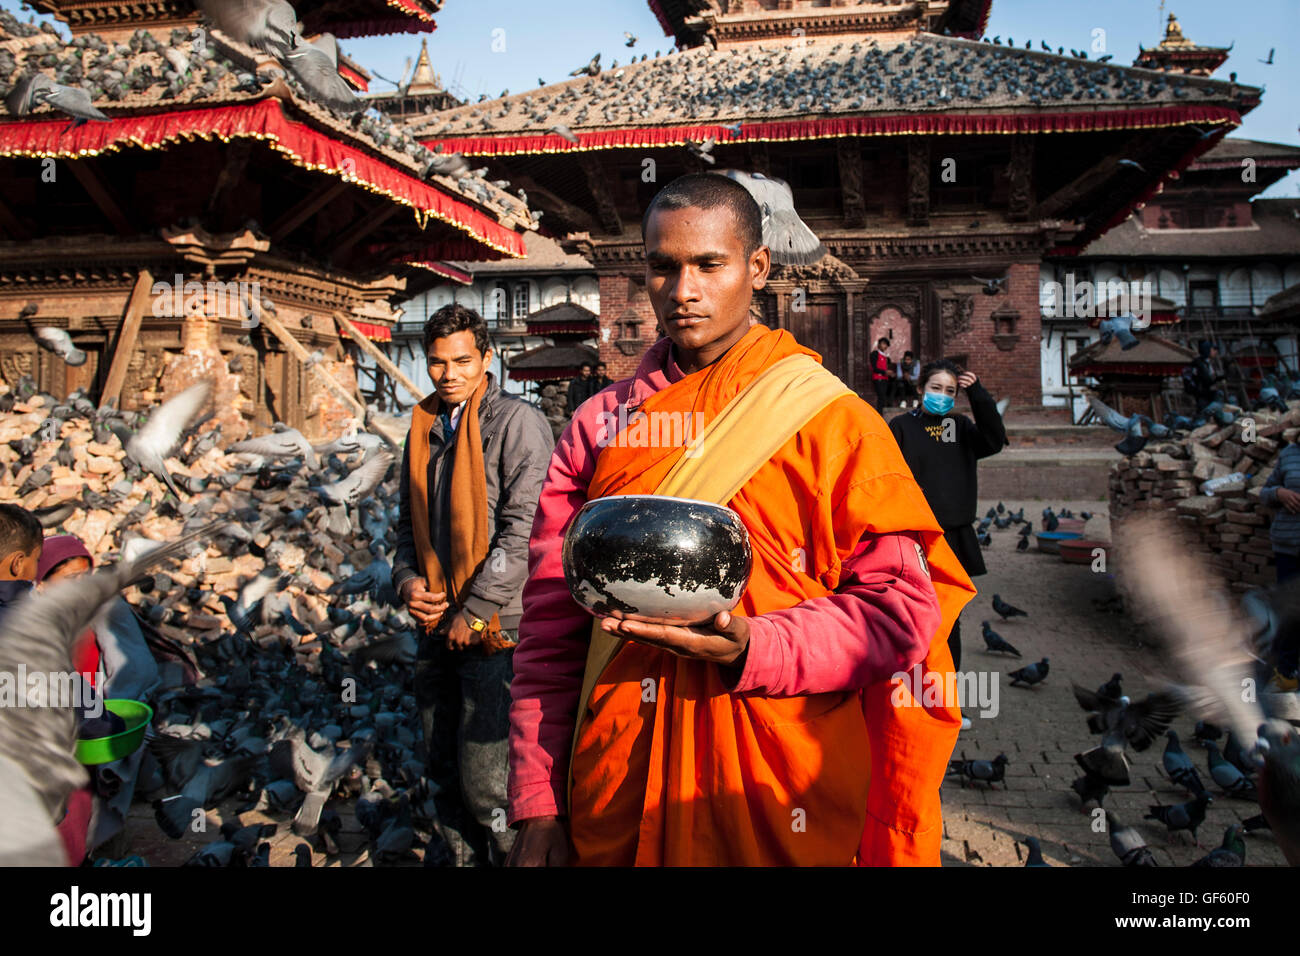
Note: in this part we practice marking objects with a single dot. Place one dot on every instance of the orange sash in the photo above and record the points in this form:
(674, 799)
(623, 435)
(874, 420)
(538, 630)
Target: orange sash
(671, 769)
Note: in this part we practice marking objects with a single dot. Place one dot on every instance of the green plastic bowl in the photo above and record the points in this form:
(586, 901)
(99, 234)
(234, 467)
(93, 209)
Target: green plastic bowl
(97, 750)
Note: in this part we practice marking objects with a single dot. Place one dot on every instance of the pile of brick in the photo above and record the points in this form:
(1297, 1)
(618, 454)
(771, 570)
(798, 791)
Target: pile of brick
(52, 464)
(1231, 524)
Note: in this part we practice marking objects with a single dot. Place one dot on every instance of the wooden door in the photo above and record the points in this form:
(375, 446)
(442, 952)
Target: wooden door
(820, 328)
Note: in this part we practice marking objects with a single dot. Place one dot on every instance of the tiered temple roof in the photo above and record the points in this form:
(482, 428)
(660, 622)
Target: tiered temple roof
(343, 18)
(1177, 54)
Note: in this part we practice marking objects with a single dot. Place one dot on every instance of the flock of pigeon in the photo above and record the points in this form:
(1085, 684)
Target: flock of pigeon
(1220, 648)
(704, 85)
(82, 76)
(287, 688)
(1138, 429)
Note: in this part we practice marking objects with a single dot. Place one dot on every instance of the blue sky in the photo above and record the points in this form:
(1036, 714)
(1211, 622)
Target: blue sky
(547, 40)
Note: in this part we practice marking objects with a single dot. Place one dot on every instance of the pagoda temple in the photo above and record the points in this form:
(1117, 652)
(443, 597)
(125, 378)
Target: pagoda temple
(221, 222)
(937, 168)
(1177, 54)
(422, 93)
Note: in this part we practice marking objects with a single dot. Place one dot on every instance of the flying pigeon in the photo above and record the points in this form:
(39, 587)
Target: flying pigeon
(267, 25)
(1206, 635)
(149, 447)
(39, 89)
(315, 64)
(788, 236)
(60, 343)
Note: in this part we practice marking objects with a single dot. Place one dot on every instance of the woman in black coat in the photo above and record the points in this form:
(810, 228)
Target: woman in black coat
(942, 447)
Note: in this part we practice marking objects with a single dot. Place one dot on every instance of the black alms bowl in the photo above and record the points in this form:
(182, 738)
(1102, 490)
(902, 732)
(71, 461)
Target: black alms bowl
(656, 558)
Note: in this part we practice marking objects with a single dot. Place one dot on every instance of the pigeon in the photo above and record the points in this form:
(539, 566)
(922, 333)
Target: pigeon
(591, 69)
(347, 444)
(994, 642)
(1004, 609)
(992, 286)
(37, 479)
(704, 150)
(219, 853)
(315, 64)
(1023, 543)
(454, 165)
(313, 773)
(302, 856)
(398, 836)
(1127, 843)
(787, 235)
(1140, 724)
(1112, 689)
(1182, 816)
(1090, 788)
(245, 611)
(359, 483)
(1237, 756)
(990, 771)
(281, 442)
(1231, 852)
(563, 131)
(1120, 327)
(1030, 674)
(1226, 775)
(149, 447)
(1035, 853)
(630, 40)
(267, 25)
(60, 343)
(39, 89)
(1206, 731)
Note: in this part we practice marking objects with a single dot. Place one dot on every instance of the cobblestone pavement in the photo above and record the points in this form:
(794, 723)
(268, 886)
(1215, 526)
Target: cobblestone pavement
(1040, 729)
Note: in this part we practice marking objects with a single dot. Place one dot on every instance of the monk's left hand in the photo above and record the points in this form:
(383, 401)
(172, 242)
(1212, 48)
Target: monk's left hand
(721, 643)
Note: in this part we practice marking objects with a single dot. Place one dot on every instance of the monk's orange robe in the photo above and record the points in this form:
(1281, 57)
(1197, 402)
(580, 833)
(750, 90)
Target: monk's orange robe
(700, 776)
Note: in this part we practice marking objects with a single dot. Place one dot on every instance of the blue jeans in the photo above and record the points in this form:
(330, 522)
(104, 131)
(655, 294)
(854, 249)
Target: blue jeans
(464, 701)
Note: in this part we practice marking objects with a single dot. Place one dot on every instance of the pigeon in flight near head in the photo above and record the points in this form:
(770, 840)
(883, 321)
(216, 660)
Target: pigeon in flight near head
(787, 235)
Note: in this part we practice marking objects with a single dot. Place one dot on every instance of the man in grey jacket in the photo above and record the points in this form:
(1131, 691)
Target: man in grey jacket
(463, 681)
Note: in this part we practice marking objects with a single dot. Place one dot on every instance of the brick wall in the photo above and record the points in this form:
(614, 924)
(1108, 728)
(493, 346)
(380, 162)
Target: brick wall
(1006, 372)
(614, 294)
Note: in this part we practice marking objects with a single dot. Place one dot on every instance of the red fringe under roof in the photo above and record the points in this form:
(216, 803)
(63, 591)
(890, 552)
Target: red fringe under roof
(901, 124)
(371, 330)
(301, 144)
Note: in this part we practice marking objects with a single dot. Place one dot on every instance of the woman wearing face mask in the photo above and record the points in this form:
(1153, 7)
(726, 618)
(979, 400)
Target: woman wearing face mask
(941, 447)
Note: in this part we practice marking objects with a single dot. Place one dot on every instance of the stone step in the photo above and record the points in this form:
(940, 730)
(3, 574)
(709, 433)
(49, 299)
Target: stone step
(1047, 473)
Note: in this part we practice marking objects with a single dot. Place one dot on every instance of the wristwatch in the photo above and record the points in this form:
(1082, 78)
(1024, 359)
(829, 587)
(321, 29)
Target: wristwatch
(475, 623)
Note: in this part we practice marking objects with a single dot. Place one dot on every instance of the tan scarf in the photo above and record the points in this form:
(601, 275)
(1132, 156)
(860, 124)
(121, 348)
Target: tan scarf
(469, 507)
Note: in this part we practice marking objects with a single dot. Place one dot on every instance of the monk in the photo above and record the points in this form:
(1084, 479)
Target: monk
(789, 731)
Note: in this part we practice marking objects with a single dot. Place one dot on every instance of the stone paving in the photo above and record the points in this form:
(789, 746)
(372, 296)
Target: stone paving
(1039, 729)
